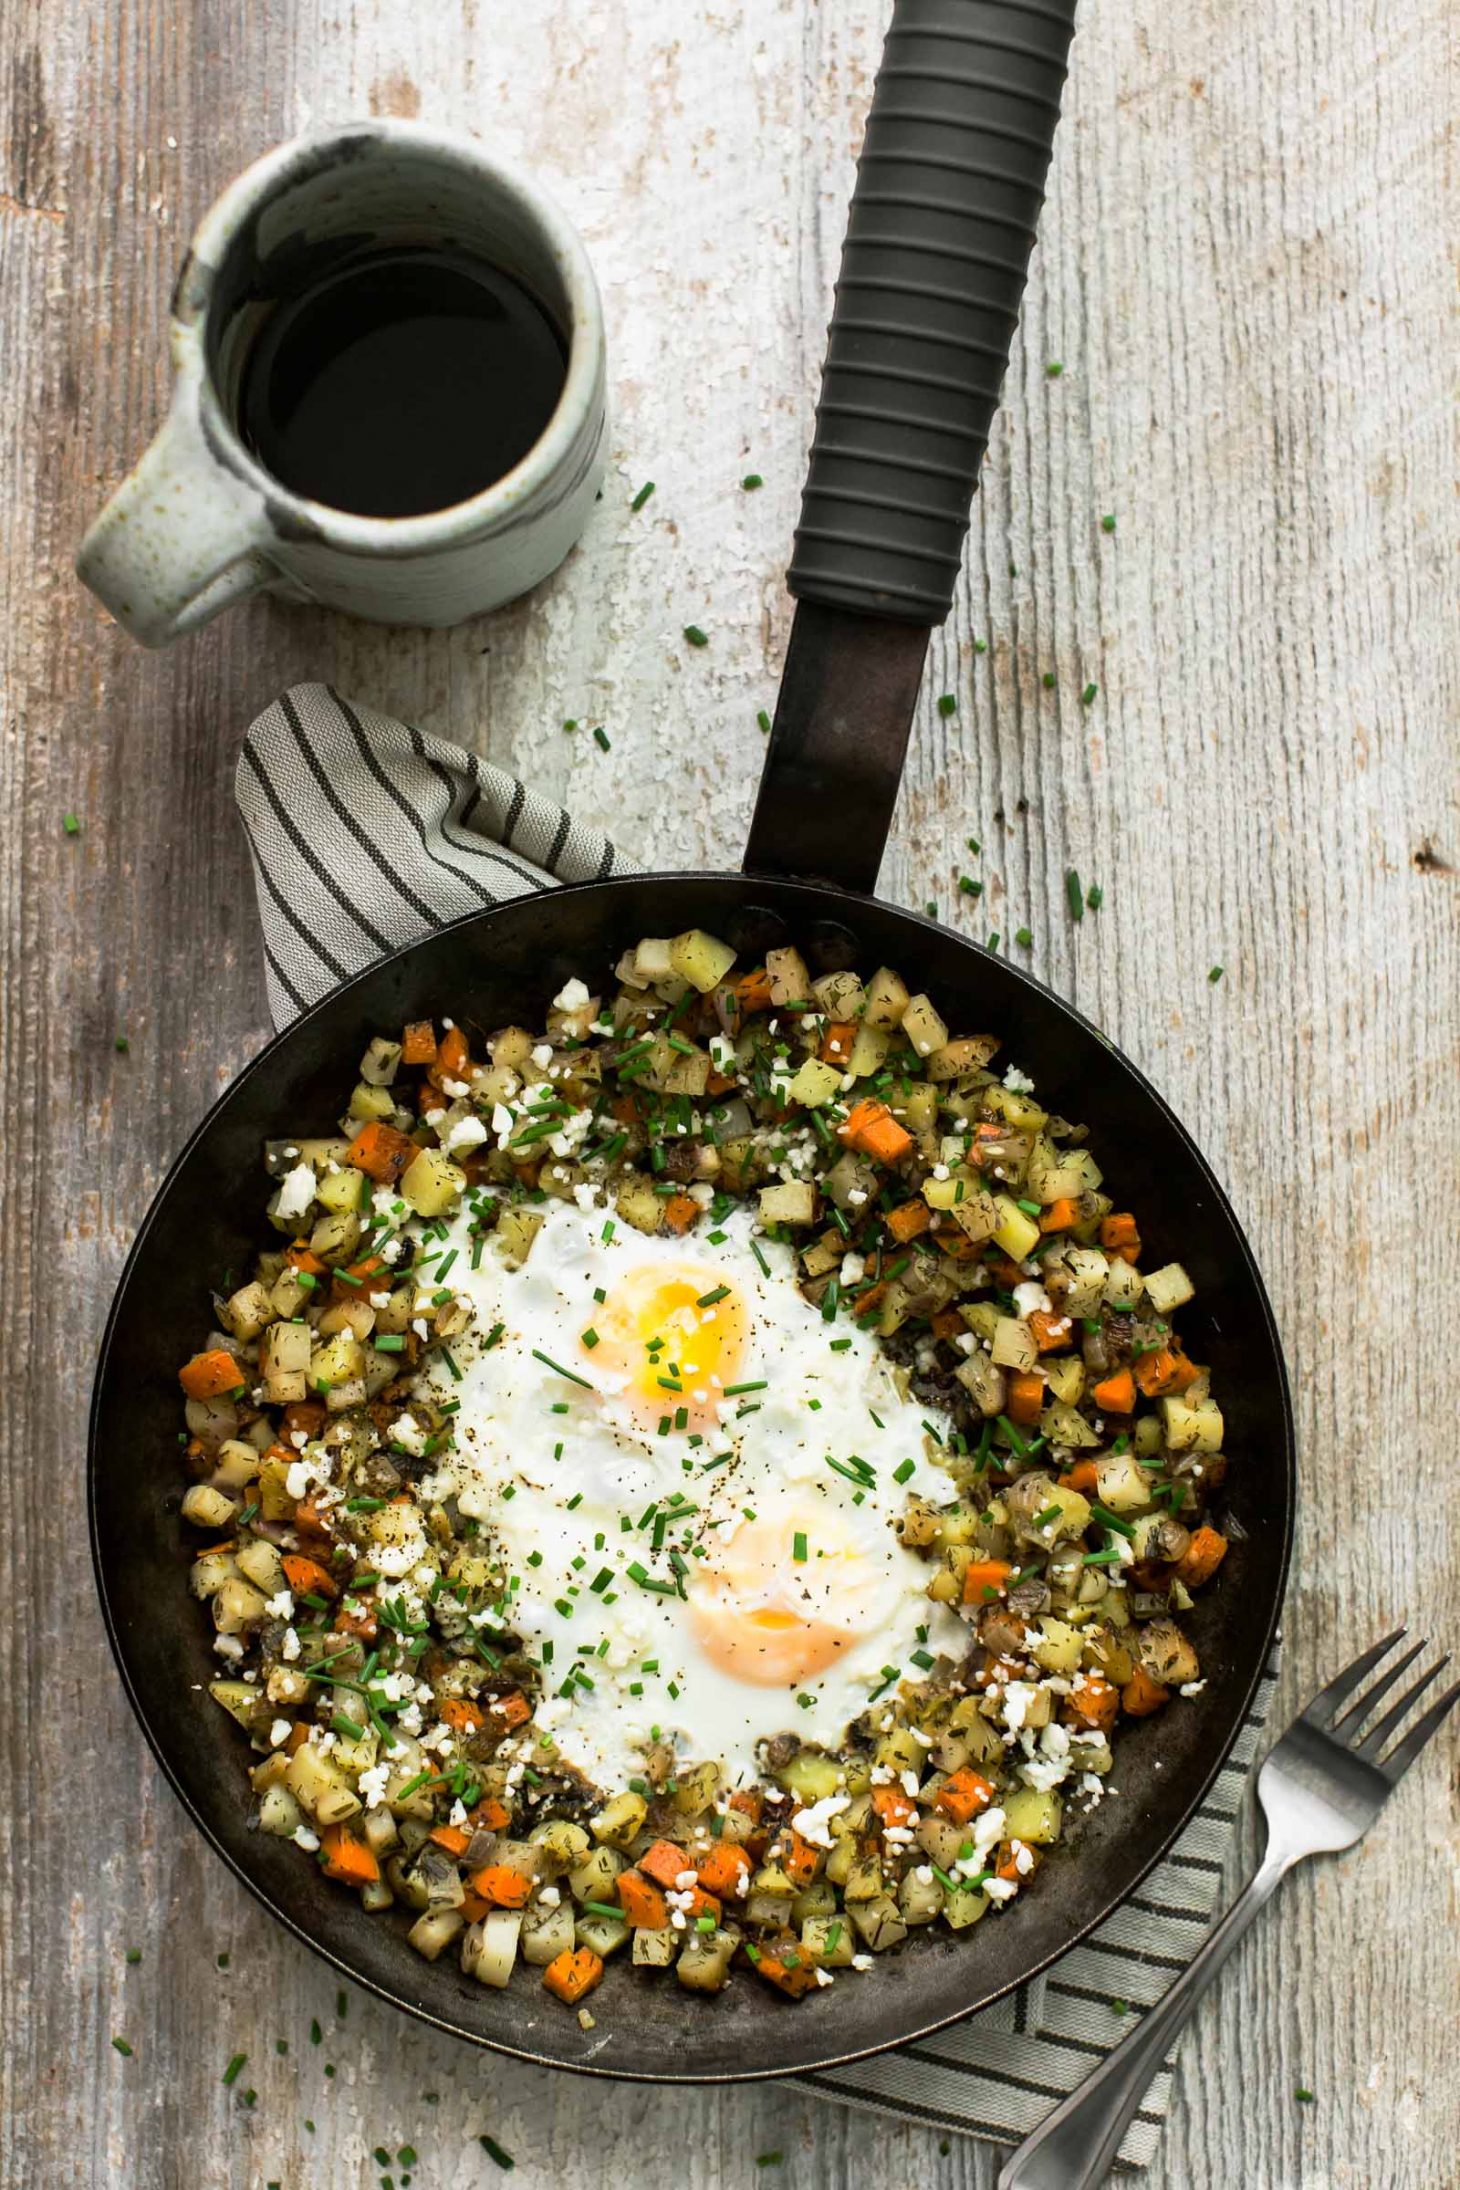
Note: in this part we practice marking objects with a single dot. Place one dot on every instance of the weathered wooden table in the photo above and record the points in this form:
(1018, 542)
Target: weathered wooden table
(1244, 277)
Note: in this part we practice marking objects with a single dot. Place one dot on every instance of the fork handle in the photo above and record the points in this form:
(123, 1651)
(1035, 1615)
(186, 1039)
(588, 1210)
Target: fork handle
(1074, 2147)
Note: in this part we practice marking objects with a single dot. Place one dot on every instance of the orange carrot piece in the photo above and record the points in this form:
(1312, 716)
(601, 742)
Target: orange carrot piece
(985, 1579)
(1163, 1371)
(1084, 1477)
(836, 1043)
(513, 1709)
(502, 1886)
(749, 1801)
(752, 991)
(791, 1976)
(308, 1519)
(418, 1043)
(910, 1221)
(958, 1247)
(347, 1858)
(455, 1839)
(1093, 1701)
(1118, 1235)
(1048, 1330)
(298, 1736)
(868, 1304)
(209, 1375)
(893, 1807)
(871, 1127)
(381, 1153)
(1007, 1865)
(306, 1575)
(721, 1869)
(572, 1973)
(453, 1057)
(460, 1712)
(363, 1622)
(665, 1862)
(963, 1794)
(1202, 1556)
(473, 1908)
(301, 1256)
(1061, 1215)
(948, 1323)
(1141, 1695)
(720, 1083)
(801, 1860)
(490, 1814)
(703, 1904)
(1116, 1393)
(1024, 1401)
(680, 1212)
(643, 1903)
(304, 1414)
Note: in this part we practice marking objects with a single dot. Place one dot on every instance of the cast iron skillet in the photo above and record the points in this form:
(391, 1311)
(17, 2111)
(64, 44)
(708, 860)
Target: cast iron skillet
(942, 225)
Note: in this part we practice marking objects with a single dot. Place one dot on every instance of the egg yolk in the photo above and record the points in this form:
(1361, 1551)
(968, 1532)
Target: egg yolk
(763, 1615)
(676, 1333)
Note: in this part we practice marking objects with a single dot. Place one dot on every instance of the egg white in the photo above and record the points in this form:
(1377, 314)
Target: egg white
(745, 1640)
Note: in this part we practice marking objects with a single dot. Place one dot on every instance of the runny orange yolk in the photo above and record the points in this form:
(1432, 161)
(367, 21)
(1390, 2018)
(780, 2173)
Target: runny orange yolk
(676, 1345)
(764, 1616)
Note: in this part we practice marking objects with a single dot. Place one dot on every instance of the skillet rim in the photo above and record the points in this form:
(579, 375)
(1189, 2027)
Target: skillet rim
(1201, 1782)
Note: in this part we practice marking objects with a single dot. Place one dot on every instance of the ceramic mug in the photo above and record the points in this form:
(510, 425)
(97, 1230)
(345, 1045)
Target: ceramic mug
(201, 523)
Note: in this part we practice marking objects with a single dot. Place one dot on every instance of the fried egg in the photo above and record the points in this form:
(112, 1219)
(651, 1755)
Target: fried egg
(691, 1478)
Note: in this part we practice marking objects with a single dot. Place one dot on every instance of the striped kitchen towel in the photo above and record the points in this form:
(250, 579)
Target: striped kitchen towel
(364, 835)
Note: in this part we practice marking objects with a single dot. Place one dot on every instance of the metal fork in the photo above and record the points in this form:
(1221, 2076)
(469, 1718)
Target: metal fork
(1321, 1788)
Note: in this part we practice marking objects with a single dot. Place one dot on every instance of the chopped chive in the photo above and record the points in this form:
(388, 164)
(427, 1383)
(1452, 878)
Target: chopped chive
(1088, 694)
(70, 824)
(763, 720)
(947, 703)
(1107, 522)
(643, 495)
(126, 2051)
(497, 2152)
(390, 1342)
(1074, 894)
(1023, 937)
(695, 636)
(558, 1369)
(708, 1300)
(751, 481)
(903, 1470)
(601, 738)
(230, 2074)
(798, 1547)
(1054, 368)
(1095, 897)
(1216, 974)
(589, 1339)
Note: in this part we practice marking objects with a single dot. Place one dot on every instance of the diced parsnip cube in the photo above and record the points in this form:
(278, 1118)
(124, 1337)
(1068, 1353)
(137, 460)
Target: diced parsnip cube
(1124, 1284)
(337, 1234)
(976, 1215)
(830, 1941)
(546, 1932)
(1192, 1428)
(432, 1184)
(1166, 1655)
(681, 1071)
(1166, 1288)
(1065, 1425)
(655, 1949)
(1021, 1112)
(604, 1934)
(653, 960)
(947, 1193)
(869, 1046)
(1032, 1814)
(593, 1879)
(840, 995)
(924, 1026)
(1015, 1232)
(696, 1790)
(851, 1182)
(793, 1202)
(815, 1083)
(877, 1919)
(206, 1507)
(638, 1204)
(970, 1053)
(919, 1899)
(563, 1845)
(279, 1813)
(984, 1382)
(489, 1949)
(516, 1231)
(619, 1820)
(1120, 1484)
(1013, 1345)
(1088, 1269)
(964, 1907)
(258, 1562)
(240, 1699)
(1080, 1161)
(887, 998)
(340, 1190)
(236, 1606)
(248, 1310)
(433, 1933)
(700, 959)
(208, 1573)
(705, 1959)
(380, 1063)
(787, 977)
(320, 1787)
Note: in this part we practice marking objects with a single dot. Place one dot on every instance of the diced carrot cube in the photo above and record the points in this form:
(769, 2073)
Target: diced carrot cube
(665, 1862)
(909, 1221)
(963, 1794)
(1024, 1401)
(573, 1973)
(209, 1375)
(381, 1152)
(418, 1043)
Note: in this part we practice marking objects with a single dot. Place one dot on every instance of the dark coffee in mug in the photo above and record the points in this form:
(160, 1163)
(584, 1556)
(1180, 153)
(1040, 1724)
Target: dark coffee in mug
(401, 381)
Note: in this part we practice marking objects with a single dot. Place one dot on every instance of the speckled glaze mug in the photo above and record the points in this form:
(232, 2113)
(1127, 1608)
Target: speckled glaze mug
(201, 523)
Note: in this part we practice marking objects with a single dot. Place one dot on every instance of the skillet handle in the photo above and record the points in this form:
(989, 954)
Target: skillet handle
(949, 186)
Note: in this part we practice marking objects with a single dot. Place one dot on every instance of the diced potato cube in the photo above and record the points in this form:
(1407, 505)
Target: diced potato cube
(815, 1083)
(1124, 1284)
(1065, 1376)
(337, 1234)
(340, 1190)
(705, 1959)
(970, 1053)
(248, 1310)
(1016, 1232)
(432, 1184)
(638, 1204)
(240, 1699)
(869, 1046)
(786, 974)
(206, 1507)
(1032, 1814)
(284, 1362)
(1065, 1425)
(340, 1361)
(546, 1932)
(489, 1949)
(653, 960)
(1120, 1484)
(793, 1202)
(964, 1907)
(887, 998)
(700, 959)
(320, 1787)
(1166, 1288)
(1057, 1646)
(380, 1063)
(367, 1102)
(830, 1941)
(923, 1026)
(619, 1820)
(1013, 1345)
(516, 1231)
(840, 995)
(655, 1949)
(1192, 1428)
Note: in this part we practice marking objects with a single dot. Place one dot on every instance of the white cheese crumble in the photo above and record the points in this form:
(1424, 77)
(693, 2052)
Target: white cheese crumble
(296, 1190)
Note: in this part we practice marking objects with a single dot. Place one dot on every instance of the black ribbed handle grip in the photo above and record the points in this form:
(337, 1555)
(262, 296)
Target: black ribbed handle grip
(949, 187)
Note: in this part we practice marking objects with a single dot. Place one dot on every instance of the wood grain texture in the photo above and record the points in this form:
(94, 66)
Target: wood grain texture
(1247, 274)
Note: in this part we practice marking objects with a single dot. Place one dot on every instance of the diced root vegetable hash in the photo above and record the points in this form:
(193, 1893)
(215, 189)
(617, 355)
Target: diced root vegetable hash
(388, 1637)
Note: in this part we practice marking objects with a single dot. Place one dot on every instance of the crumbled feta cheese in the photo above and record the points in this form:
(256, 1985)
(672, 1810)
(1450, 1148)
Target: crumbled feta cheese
(372, 1784)
(1000, 1889)
(571, 996)
(1017, 1082)
(289, 1649)
(542, 1055)
(281, 1605)
(296, 1190)
(279, 1732)
(863, 1961)
(304, 1838)
(467, 1132)
(853, 1269)
(228, 1646)
(814, 1822)
(1031, 1297)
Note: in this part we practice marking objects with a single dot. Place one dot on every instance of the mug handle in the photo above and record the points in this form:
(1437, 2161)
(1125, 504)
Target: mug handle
(180, 540)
